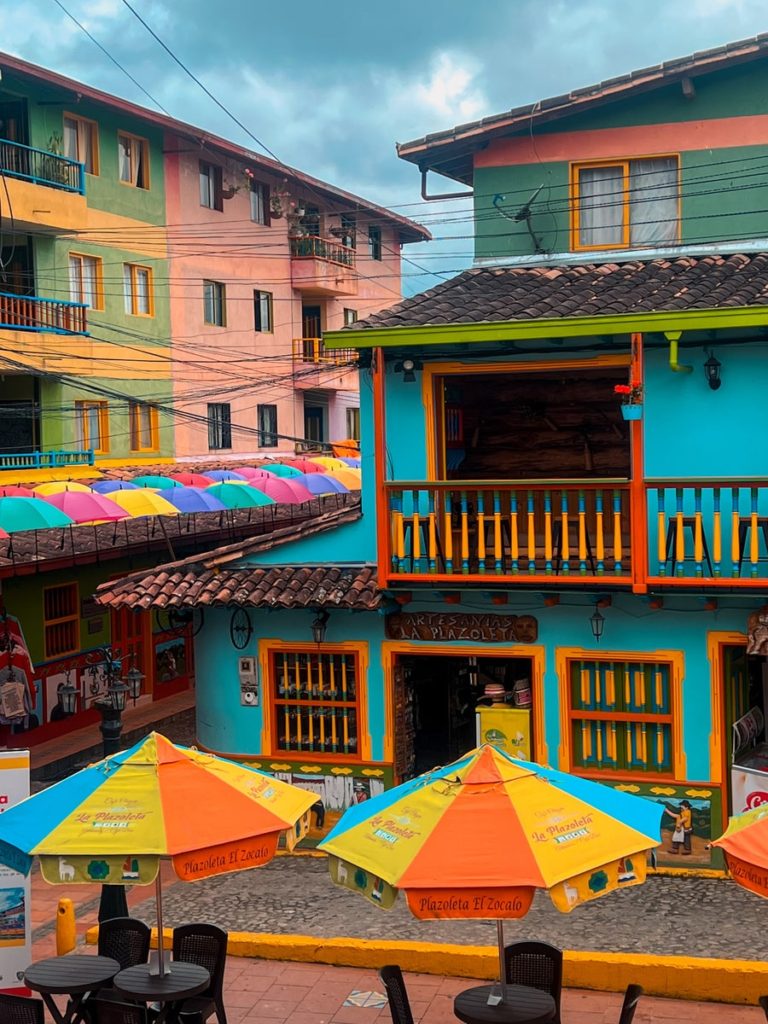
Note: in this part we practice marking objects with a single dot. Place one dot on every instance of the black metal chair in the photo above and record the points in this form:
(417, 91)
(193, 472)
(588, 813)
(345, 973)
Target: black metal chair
(399, 1007)
(21, 1010)
(206, 946)
(112, 1011)
(537, 965)
(631, 999)
(124, 939)
(763, 1002)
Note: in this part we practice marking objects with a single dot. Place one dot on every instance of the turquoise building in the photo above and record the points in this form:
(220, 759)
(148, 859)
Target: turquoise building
(565, 501)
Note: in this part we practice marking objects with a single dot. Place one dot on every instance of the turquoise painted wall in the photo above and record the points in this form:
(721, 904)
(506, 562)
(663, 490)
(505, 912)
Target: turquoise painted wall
(223, 723)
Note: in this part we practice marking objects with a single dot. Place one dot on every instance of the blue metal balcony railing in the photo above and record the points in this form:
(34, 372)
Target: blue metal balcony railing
(31, 313)
(41, 167)
(46, 460)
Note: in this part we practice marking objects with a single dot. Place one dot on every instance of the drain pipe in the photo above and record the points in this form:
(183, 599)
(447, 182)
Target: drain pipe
(673, 337)
(442, 195)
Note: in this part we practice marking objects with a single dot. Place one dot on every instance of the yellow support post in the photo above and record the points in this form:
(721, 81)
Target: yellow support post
(66, 936)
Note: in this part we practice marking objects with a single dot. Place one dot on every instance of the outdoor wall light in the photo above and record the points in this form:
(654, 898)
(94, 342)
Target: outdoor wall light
(117, 691)
(67, 695)
(408, 367)
(319, 625)
(597, 622)
(712, 372)
(134, 678)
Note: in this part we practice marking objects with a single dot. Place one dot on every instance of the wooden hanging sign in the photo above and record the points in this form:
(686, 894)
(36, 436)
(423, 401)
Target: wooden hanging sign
(490, 629)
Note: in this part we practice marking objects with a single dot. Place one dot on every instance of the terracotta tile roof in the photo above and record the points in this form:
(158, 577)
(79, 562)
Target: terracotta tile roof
(223, 577)
(484, 295)
(451, 151)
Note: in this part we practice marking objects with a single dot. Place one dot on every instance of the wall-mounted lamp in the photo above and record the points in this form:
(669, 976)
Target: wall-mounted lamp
(134, 678)
(597, 622)
(67, 695)
(408, 369)
(318, 626)
(712, 372)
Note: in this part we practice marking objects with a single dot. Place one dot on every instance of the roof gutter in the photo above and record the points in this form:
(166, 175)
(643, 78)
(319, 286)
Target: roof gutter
(441, 195)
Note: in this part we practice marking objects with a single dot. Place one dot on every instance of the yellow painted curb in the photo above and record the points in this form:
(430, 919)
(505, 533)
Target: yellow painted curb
(675, 977)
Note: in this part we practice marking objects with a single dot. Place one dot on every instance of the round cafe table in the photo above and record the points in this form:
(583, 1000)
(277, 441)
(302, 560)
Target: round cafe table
(181, 981)
(522, 1005)
(73, 975)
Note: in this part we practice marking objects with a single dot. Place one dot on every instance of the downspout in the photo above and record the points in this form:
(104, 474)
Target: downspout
(673, 337)
(442, 195)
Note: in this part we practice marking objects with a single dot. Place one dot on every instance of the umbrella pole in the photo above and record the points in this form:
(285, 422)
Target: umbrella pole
(502, 965)
(159, 907)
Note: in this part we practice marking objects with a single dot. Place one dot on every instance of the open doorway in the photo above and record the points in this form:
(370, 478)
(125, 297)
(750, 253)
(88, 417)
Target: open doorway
(443, 692)
(745, 697)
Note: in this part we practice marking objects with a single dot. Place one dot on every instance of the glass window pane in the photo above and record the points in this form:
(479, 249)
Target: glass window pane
(258, 207)
(75, 288)
(88, 265)
(653, 206)
(87, 149)
(142, 291)
(70, 139)
(124, 158)
(601, 206)
(206, 185)
(128, 287)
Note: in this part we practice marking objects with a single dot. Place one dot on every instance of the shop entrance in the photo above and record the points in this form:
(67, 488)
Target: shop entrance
(745, 696)
(436, 697)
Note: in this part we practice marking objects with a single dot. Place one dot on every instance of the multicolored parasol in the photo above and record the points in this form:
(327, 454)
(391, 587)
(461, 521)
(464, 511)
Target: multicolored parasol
(745, 845)
(143, 502)
(192, 499)
(60, 487)
(239, 495)
(17, 514)
(86, 508)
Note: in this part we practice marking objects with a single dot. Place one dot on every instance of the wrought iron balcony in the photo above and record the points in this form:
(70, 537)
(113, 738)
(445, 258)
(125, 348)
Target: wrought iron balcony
(320, 266)
(52, 316)
(41, 167)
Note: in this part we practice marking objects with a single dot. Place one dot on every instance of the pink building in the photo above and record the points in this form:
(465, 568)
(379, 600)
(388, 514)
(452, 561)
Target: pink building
(262, 261)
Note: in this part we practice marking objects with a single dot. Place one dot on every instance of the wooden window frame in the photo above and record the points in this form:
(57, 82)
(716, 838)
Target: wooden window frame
(674, 660)
(134, 310)
(134, 410)
(216, 176)
(353, 434)
(375, 243)
(99, 296)
(268, 650)
(94, 126)
(144, 143)
(74, 617)
(215, 284)
(222, 425)
(352, 319)
(268, 433)
(265, 198)
(574, 194)
(257, 322)
(81, 407)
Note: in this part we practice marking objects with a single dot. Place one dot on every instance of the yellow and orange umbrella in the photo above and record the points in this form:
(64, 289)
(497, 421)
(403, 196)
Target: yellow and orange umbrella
(745, 845)
(329, 462)
(113, 821)
(143, 502)
(61, 486)
(351, 478)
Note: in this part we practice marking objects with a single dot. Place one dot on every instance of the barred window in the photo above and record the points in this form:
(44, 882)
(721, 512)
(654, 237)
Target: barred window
(315, 700)
(61, 620)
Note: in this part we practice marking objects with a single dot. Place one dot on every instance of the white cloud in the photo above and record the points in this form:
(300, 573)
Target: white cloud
(449, 92)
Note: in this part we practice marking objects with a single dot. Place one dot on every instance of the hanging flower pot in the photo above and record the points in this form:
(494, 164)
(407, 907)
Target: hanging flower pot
(632, 412)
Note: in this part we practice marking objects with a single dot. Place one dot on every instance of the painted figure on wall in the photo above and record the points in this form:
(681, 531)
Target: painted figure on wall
(681, 837)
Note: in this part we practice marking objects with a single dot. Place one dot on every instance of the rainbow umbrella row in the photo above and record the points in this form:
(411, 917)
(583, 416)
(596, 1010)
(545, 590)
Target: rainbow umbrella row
(69, 503)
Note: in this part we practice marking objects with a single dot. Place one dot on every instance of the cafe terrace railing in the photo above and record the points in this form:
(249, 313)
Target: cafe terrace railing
(47, 459)
(711, 531)
(315, 247)
(41, 167)
(312, 350)
(31, 313)
(526, 530)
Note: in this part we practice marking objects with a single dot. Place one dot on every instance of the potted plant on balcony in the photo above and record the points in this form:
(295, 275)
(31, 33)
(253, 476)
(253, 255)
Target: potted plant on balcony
(632, 394)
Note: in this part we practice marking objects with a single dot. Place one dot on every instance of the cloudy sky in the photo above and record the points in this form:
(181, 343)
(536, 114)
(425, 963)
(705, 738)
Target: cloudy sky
(331, 86)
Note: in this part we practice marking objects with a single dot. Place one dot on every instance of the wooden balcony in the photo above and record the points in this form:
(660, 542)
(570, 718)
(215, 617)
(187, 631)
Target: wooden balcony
(321, 266)
(694, 534)
(52, 316)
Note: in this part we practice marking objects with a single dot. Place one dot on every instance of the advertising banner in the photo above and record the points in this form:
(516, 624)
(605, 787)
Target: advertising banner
(15, 912)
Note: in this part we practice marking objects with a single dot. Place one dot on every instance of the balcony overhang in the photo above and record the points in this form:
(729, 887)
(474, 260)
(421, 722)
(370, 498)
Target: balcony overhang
(311, 275)
(44, 208)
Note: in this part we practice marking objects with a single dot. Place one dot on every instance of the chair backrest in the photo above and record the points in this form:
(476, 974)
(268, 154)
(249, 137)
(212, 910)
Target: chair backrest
(537, 965)
(110, 1011)
(399, 1007)
(206, 946)
(20, 1010)
(124, 939)
(631, 999)
(763, 1001)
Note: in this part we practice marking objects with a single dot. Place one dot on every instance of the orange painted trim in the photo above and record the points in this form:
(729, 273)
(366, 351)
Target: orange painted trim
(266, 650)
(383, 538)
(390, 649)
(705, 582)
(638, 505)
(615, 143)
(504, 580)
(719, 743)
(675, 659)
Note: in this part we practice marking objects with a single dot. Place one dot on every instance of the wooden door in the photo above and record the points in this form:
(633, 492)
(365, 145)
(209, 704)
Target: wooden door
(404, 745)
(131, 637)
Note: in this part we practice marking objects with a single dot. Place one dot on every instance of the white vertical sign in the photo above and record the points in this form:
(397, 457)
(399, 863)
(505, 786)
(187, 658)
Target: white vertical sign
(15, 888)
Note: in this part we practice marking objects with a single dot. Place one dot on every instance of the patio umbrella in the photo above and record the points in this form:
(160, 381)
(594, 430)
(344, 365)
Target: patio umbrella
(282, 469)
(352, 463)
(16, 491)
(61, 486)
(108, 486)
(143, 502)
(475, 839)
(288, 491)
(235, 495)
(223, 475)
(304, 465)
(155, 481)
(322, 483)
(112, 822)
(745, 845)
(191, 479)
(251, 472)
(192, 499)
(329, 462)
(349, 477)
(87, 508)
(17, 514)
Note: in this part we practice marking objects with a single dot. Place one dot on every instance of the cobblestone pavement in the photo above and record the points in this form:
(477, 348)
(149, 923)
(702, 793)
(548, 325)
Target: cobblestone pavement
(667, 916)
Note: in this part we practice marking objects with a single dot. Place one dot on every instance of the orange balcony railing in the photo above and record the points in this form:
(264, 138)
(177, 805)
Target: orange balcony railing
(564, 530)
(312, 350)
(31, 313)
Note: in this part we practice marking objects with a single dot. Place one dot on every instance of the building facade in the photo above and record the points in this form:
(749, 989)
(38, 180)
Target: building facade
(564, 500)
